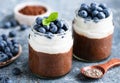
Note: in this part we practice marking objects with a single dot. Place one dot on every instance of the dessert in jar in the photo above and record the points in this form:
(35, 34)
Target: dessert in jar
(50, 47)
(93, 30)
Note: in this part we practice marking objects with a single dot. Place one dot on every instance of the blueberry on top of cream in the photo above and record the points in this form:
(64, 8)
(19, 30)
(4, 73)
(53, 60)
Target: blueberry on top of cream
(94, 11)
(50, 25)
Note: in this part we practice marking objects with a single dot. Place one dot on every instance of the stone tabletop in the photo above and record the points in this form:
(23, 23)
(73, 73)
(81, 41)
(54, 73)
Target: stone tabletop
(66, 10)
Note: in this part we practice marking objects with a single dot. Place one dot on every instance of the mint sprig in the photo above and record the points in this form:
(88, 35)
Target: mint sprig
(52, 17)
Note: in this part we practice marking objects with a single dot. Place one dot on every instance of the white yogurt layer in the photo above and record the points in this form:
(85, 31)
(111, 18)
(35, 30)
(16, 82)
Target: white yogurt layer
(93, 30)
(51, 46)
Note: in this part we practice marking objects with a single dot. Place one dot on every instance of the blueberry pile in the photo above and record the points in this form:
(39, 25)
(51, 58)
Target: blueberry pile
(94, 12)
(55, 27)
(8, 48)
(13, 23)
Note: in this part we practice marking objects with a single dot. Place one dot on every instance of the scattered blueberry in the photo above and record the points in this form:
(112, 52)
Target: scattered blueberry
(7, 25)
(101, 15)
(39, 20)
(102, 5)
(23, 27)
(83, 13)
(3, 57)
(42, 30)
(6, 80)
(107, 12)
(16, 71)
(53, 28)
(12, 33)
(14, 23)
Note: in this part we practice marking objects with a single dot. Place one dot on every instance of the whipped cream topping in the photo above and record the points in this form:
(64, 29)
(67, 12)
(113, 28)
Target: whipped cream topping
(94, 30)
(51, 46)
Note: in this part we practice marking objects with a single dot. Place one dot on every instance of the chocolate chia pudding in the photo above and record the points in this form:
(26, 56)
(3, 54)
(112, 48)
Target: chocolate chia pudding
(50, 52)
(92, 35)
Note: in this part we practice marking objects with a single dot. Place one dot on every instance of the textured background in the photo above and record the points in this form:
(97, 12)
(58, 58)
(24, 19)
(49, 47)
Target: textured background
(66, 9)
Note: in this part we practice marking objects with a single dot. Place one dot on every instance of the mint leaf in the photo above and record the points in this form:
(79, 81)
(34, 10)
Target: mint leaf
(45, 22)
(53, 16)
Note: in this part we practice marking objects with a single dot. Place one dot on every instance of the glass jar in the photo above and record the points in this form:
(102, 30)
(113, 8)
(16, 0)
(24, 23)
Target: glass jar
(92, 41)
(50, 56)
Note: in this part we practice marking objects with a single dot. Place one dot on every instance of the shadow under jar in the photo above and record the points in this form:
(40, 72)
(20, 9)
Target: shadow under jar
(50, 57)
(92, 41)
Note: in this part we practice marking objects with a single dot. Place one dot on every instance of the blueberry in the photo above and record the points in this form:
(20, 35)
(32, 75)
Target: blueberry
(7, 25)
(4, 42)
(7, 49)
(14, 41)
(42, 30)
(101, 15)
(1, 45)
(9, 55)
(3, 57)
(36, 27)
(6, 80)
(65, 27)
(94, 13)
(15, 51)
(39, 20)
(16, 71)
(12, 33)
(83, 13)
(93, 6)
(4, 36)
(49, 35)
(8, 42)
(107, 12)
(16, 46)
(102, 5)
(53, 28)
(1, 77)
(84, 7)
(61, 31)
(59, 24)
(96, 19)
(88, 18)
(47, 27)
(14, 23)
(1, 38)
(83, 4)
(52, 23)
(23, 27)
(99, 9)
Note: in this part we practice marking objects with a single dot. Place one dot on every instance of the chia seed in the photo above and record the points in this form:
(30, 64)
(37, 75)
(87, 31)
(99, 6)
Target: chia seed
(93, 73)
